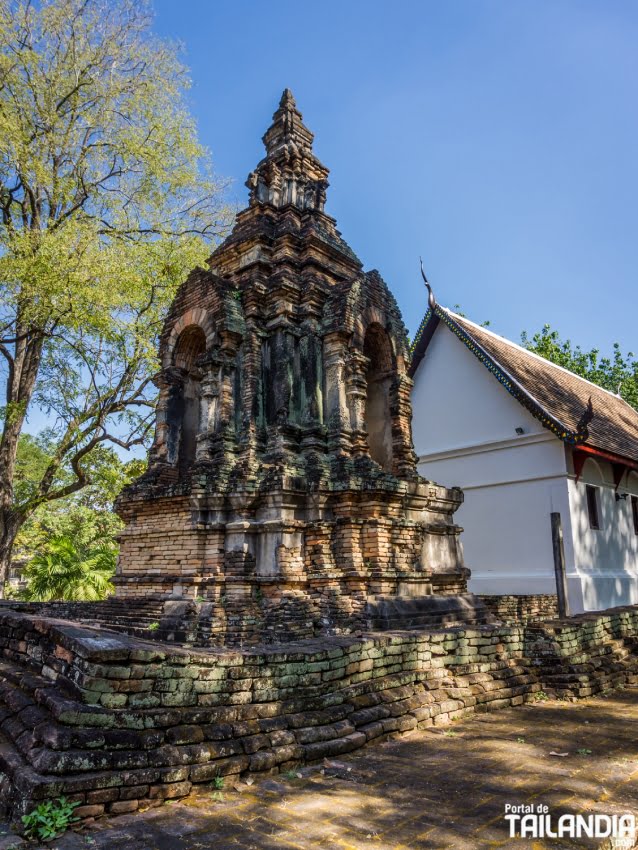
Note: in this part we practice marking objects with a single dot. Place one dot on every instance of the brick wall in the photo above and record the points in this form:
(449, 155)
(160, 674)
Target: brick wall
(115, 723)
(521, 609)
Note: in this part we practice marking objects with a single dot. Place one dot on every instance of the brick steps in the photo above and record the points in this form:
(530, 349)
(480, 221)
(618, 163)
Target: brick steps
(586, 667)
(155, 619)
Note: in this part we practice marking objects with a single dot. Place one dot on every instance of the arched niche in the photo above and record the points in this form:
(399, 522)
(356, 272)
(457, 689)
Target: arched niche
(377, 416)
(184, 406)
(592, 473)
(631, 483)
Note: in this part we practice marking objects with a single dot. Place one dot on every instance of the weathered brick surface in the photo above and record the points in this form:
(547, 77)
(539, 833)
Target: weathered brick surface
(521, 608)
(282, 486)
(210, 713)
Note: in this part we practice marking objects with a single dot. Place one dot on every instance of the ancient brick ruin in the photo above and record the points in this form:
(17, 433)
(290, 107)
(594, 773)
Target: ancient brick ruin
(116, 724)
(282, 508)
(282, 489)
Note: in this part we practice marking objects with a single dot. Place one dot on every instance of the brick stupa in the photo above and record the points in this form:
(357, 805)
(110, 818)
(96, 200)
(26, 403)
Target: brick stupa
(282, 494)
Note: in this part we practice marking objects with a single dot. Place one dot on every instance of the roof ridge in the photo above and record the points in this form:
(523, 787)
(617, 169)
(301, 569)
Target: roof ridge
(534, 354)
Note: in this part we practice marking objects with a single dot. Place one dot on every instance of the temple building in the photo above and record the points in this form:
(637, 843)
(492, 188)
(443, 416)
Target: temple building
(282, 490)
(526, 438)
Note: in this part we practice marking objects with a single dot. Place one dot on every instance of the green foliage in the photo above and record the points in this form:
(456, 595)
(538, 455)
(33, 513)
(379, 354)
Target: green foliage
(617, 373)
(153, 627)
(107, 200)
(458, 310)
(218, 783)
(64, 570)
(107, 474)
(68, 546)
(49, 819)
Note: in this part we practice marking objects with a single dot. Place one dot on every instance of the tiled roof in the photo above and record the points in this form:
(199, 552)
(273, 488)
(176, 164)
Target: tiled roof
(559, 399)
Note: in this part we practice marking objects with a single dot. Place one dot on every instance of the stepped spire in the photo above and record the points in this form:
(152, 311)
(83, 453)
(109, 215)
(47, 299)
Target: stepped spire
(290, 174)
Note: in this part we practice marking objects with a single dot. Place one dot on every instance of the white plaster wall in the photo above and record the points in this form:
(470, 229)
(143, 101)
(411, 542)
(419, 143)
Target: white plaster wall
(509, 495)
(465, 434)
(606, 559)
(457, 402)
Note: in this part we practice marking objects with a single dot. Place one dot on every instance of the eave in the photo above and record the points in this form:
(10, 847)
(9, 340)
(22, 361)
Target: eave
(619, 464)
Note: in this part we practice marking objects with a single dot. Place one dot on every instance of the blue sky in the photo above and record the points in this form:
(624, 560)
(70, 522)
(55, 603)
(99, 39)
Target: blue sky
(498, 139)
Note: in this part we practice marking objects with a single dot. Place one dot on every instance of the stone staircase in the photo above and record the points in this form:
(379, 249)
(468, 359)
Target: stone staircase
(427, 612)
(152, 618)
(591, 669)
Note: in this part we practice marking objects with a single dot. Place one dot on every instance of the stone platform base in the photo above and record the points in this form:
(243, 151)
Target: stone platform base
(427, 612)
(203, 624)
(111, 721)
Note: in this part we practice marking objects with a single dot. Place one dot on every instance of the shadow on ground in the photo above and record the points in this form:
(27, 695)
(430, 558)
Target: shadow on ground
(443, 789)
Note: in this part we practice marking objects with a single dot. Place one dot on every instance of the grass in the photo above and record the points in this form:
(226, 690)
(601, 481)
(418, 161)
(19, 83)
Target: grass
(291, 774)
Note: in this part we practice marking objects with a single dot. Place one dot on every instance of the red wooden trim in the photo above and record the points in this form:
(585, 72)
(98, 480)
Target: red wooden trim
(620, 464)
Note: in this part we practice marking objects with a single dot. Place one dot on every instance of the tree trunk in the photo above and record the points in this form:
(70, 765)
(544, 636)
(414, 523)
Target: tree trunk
(21, 378)
(10, 525)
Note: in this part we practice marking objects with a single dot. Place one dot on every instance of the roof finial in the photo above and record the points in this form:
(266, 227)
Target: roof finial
(287, 99)
(431, 298)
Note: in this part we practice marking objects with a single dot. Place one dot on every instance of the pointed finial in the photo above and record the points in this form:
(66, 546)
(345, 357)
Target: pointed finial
(287, 99)
(431, 298)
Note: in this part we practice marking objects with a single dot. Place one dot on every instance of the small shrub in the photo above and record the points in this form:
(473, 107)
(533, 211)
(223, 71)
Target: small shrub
(49, 819)
(153, 627)
(218, 783)
(541, 696)
(291, 774)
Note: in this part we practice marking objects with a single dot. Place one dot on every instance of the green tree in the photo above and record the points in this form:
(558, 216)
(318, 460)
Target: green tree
(63, 541)
(106, 201)
(618, 373)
